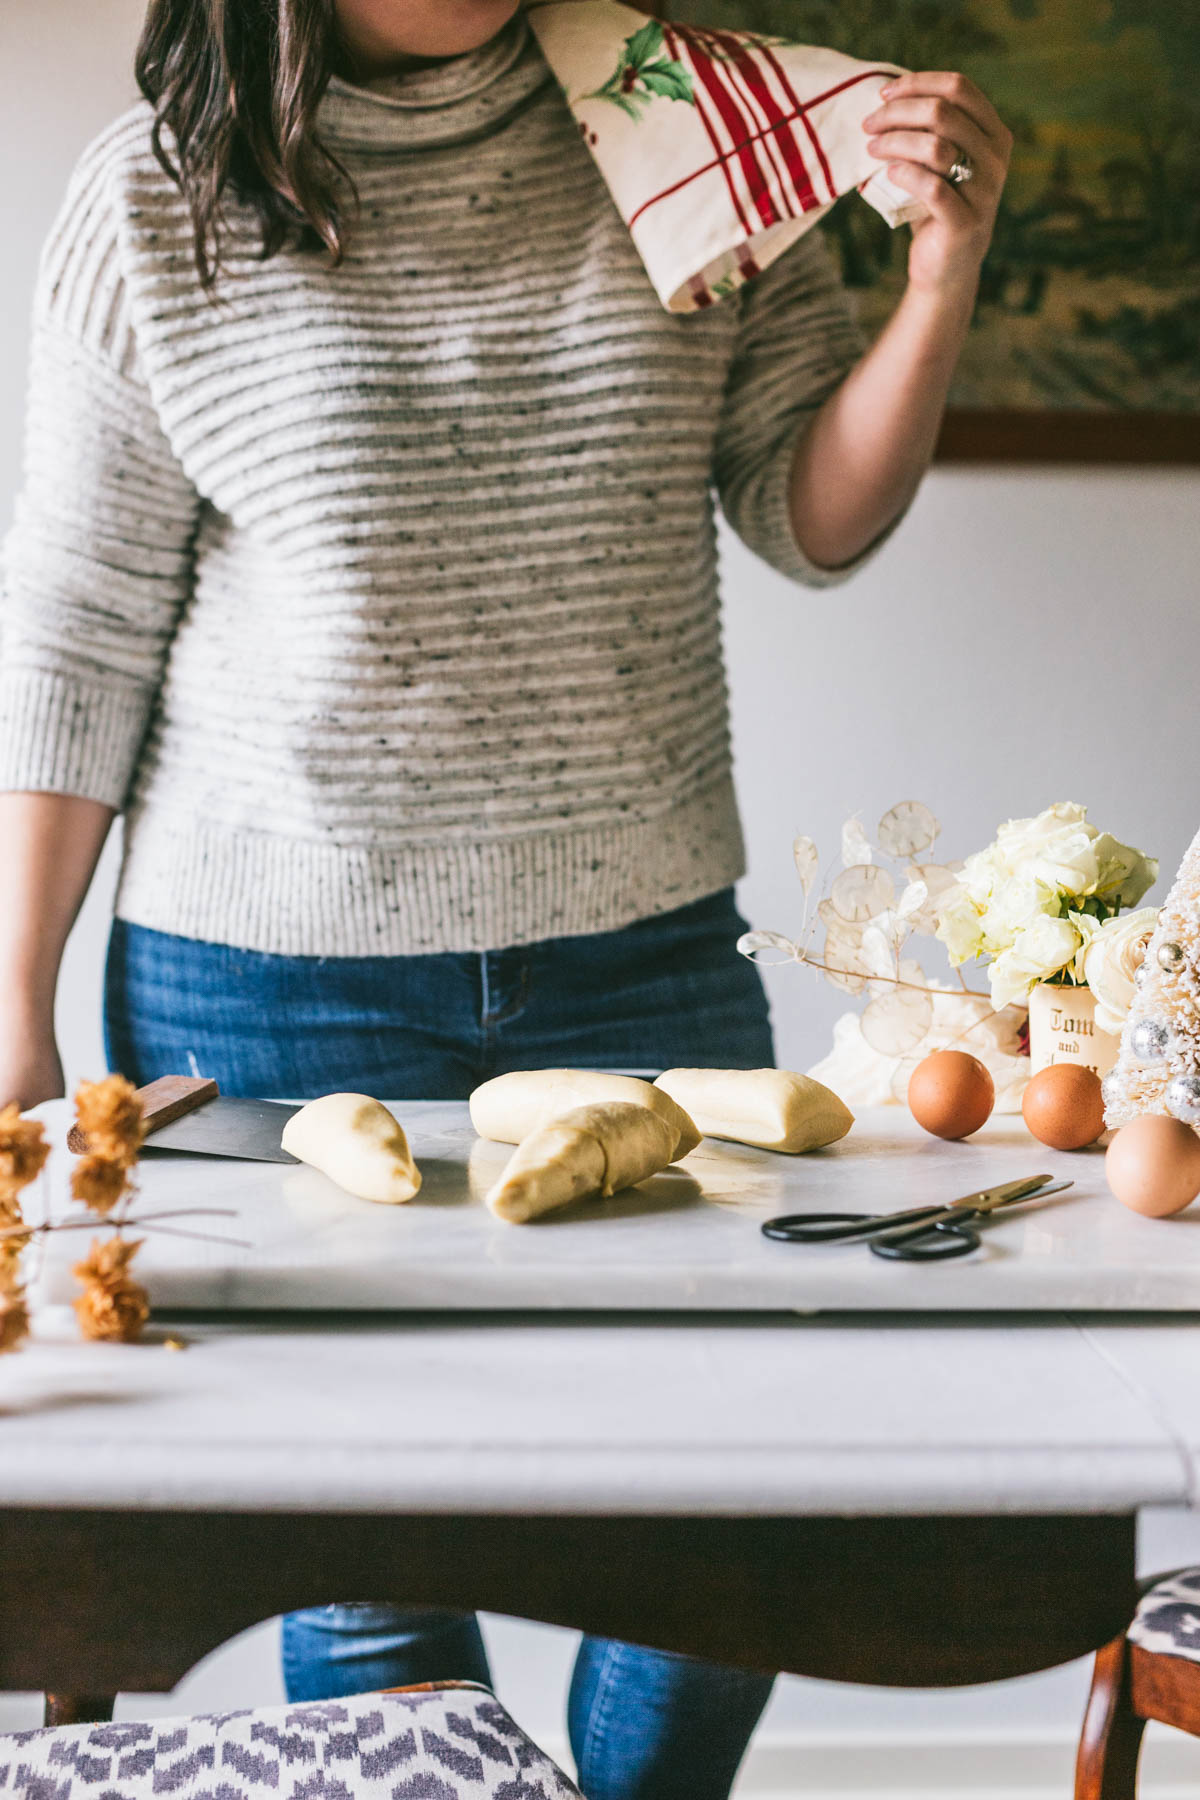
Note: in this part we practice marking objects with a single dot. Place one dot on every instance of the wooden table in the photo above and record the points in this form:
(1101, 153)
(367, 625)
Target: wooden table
(868, 1498)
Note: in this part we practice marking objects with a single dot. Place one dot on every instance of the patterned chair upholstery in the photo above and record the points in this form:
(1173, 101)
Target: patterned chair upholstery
(450, 1741)
(1167, 1620)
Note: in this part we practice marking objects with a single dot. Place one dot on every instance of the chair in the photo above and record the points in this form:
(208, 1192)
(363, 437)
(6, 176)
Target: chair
(1152, 1671)
(445, 1741)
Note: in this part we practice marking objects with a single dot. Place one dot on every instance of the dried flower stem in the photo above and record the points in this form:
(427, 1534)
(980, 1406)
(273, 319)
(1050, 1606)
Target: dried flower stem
(895, 980)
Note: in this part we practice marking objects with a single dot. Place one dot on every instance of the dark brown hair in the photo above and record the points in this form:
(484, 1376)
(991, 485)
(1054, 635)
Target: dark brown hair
(236, 84)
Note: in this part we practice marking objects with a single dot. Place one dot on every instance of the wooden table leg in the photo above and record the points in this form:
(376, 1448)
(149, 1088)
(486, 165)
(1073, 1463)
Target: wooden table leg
(79, 1709)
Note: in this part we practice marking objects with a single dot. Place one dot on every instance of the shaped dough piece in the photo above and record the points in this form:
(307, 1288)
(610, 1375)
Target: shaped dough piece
(773, 1109)
(357, 1143)
(509, 1107)
(589, 1150)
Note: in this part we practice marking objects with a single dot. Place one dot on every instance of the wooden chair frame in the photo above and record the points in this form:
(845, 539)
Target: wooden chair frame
(1131, 1686)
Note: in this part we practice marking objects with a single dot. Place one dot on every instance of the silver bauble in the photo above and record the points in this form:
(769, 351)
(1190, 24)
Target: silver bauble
(1182, 1098)
(1149, 1040)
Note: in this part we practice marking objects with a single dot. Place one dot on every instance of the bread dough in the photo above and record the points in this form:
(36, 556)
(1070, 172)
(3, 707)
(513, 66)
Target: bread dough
(589, 1150)
(773, 1109)
(357, 1143)
(509, 1107)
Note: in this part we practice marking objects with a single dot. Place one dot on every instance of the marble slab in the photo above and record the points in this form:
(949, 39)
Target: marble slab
(602, 1413)
(687, 1240)
(1160, 1364)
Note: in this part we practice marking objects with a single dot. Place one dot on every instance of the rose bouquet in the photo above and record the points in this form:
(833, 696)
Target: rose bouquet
(1043, 903)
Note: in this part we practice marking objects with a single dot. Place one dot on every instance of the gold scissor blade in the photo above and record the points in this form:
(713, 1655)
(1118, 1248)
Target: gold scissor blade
(987, 1199)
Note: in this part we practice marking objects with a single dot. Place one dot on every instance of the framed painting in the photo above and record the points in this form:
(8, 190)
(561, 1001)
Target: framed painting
(1085, 342)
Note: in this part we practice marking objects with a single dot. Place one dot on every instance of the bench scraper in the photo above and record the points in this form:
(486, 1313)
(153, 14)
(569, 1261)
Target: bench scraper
(189, 1113)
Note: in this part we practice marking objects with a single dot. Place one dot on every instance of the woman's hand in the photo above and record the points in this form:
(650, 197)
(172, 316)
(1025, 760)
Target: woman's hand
(30, 1069)
(926, 120)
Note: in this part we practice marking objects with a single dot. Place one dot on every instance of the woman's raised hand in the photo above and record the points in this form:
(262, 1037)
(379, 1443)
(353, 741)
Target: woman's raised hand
(927, 119)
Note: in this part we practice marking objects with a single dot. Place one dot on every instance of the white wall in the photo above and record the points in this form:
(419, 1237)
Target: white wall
(1027, 636)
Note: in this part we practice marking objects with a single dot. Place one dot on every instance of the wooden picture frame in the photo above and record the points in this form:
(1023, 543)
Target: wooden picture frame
(1078, 178)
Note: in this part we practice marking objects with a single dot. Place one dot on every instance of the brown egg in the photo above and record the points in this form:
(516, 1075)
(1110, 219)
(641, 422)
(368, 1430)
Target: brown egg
(1064, 1107)
(951, 1094)
(1153, 1165)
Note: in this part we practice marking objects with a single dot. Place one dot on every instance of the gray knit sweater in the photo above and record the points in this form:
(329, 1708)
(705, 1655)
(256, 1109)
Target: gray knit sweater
(384, 599)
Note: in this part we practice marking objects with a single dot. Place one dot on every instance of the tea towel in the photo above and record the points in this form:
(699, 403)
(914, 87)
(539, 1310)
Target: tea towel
(720, 148)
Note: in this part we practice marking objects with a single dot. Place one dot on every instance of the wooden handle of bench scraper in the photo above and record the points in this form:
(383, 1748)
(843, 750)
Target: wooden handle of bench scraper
(161, 1101)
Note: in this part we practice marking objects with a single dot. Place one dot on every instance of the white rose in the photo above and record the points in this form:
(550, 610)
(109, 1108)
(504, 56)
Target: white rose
(1019, 841)
(1014, 906)
(1125, 874)
(1041, 950)
(1109, 960)
(1055, 848)
(1067, 862)
(981, 874)
(958, 925)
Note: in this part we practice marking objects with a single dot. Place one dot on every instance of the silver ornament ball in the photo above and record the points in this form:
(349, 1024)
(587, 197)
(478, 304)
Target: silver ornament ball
(1170, 956)
(1149, 1040)
(1183, 1098)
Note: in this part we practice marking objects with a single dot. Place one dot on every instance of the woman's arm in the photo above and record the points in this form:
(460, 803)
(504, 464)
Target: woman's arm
(51, 845)
(862, 457)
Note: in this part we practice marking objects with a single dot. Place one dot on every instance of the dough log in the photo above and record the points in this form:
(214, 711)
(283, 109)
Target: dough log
(507, 1108)
(590, 1150)
(773, 1109)
(357, 1143)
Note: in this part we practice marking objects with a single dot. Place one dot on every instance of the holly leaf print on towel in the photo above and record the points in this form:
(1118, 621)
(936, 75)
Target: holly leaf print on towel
(643, 72)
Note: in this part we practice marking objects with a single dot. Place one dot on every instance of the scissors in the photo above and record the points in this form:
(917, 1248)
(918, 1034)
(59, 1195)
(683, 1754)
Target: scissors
(924, 1234)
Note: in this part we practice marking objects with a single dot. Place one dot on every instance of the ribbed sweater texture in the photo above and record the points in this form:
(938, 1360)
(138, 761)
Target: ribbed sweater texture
(383, 599)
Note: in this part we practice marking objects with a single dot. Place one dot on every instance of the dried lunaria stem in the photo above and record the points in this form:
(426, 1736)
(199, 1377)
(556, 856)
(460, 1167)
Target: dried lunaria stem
(110, 1118)
(112, 1307)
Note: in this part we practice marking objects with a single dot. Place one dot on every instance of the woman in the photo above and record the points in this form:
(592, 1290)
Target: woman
(365, 561)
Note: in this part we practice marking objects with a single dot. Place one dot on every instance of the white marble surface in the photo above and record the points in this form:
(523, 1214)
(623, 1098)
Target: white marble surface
(583, 1414)
(1161, 1363)
(688, 1240)
(530, 1381)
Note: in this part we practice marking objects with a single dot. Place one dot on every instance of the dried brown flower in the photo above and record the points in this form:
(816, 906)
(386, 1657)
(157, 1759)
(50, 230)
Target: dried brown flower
(23, 1151)
(98, 1182)
(12, 1245)
(110, 1117)
(14, 1320)
(112, 1307)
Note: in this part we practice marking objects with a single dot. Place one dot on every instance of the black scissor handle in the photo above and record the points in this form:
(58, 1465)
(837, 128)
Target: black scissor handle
(918, 1243)
(929, 1243)
(819, 1228)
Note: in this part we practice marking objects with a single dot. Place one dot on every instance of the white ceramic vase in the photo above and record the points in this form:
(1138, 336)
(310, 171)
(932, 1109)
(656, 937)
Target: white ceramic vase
(1063, 1029)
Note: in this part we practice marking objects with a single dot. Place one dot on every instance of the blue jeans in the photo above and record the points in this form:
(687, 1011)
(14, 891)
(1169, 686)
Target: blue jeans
(666, 991)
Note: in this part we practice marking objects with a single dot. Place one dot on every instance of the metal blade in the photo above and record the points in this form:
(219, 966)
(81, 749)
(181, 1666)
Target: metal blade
(987, 1199)
(246, 1130)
